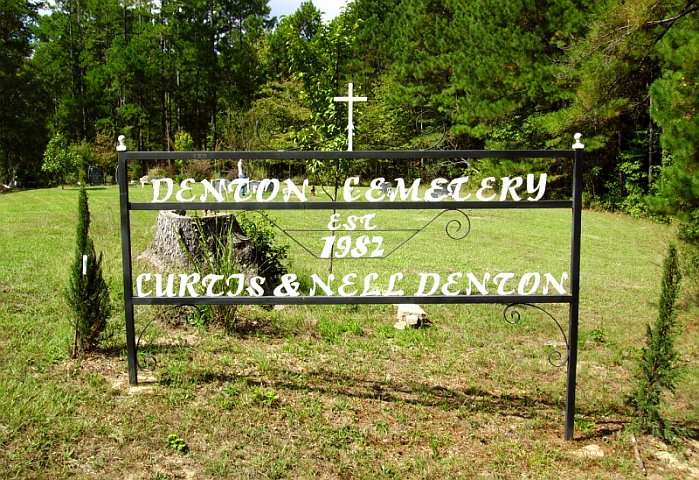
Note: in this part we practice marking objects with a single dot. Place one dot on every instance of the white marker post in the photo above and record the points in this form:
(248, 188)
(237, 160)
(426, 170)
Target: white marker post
(350, 103)
(84, 265)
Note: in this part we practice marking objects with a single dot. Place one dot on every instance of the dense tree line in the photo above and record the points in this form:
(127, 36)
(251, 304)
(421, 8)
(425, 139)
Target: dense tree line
(439, 74)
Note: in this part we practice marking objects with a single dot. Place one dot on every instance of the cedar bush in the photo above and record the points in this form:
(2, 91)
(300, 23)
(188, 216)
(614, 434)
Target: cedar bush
(659, 362)
(88, 294)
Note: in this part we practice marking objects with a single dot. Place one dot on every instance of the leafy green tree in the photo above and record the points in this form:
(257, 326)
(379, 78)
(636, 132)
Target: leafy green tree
(183, 142)
(316, 54)
(60, 161)
(271, 122)
(87, 292)
(658, 368)
(23, 132)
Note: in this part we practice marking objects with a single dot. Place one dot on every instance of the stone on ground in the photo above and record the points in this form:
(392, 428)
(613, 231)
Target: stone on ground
(590, 451)
(410, 315)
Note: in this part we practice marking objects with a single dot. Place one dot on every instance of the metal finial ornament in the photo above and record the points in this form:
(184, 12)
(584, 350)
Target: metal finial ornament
(577, 145)
(121, 146)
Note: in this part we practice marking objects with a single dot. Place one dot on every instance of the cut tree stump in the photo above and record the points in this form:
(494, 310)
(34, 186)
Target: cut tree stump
(165, 251)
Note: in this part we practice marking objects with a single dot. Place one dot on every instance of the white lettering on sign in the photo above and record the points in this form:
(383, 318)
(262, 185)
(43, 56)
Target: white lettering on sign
(271, 184)
(345, 245)
(185, 188)
(239, 187)
(539, 188)
(509, 187)
(363, 221)
(325, 286)
(433, 279)
(210, 189)
(156, 189)
(486, 185)
(352, 284)
(347, 191)
(292, 189)
(532, 187)
(375, 193)
(369, 288)
(352, 236)
(452, 279)
(403, 193)
(455, 187)
(552, 282)
(210, 281)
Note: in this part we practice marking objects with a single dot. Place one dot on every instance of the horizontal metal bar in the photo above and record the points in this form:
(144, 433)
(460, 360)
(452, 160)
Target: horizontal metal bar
(373, 154)
(347, 205)
(368, 300)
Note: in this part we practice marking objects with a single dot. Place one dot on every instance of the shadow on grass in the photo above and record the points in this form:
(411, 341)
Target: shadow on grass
(470, 399)
(181, 317)
(149, 349)
(258, 327)
(339, 384)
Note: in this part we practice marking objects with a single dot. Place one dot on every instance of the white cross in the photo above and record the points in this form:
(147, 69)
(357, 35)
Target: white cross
(350, 102)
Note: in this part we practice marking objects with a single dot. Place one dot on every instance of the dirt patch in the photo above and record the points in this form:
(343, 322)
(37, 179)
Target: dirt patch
(147, 383)
(680, 461)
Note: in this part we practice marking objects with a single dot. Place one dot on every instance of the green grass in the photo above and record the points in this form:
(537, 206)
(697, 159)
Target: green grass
(330, 391)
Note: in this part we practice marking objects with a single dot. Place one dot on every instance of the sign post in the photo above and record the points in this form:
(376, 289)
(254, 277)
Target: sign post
(574, 306)
(123, 179)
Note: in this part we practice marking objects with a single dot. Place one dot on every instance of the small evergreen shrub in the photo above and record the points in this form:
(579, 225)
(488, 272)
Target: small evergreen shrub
(658, 369)
(88, 293)
(183, 141)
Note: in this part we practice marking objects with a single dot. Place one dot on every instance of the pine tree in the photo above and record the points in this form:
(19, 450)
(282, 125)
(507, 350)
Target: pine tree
(659, 370)
(87, 294)
(675, 103)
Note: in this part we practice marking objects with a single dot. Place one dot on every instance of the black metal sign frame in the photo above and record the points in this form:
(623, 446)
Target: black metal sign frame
(511, 314)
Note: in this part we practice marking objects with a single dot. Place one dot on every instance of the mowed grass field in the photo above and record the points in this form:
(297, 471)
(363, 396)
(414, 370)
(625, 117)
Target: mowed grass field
(335, 392)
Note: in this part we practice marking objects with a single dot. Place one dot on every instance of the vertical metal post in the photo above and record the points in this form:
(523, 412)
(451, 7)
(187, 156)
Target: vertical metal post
(573, 307)
(123, 177)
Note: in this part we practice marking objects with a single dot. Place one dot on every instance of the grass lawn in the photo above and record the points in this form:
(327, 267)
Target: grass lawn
(335, 392)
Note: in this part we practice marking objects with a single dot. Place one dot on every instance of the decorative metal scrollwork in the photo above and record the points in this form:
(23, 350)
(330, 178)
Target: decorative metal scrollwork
(456, 229)
(513, 316)
(462, 229)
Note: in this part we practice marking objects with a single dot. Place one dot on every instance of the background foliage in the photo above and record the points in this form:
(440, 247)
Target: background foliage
(439, 74)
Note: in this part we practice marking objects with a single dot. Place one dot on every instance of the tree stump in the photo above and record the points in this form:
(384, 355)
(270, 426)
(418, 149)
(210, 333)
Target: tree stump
(165, 250)
(166, 253)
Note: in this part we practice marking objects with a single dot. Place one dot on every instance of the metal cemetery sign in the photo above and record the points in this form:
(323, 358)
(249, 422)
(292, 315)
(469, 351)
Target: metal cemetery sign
(348, 235)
